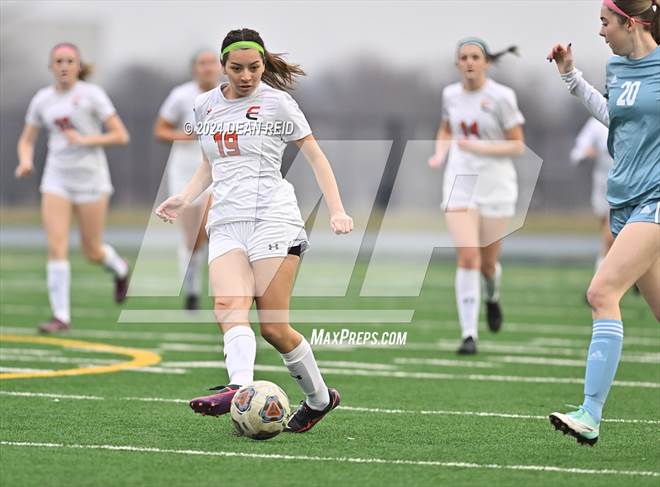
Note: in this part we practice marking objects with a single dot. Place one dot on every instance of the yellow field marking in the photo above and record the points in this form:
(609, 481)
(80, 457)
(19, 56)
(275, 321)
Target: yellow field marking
(140, 358)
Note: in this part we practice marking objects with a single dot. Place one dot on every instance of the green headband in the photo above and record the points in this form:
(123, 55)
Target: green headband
(243, 45)
(475, 41)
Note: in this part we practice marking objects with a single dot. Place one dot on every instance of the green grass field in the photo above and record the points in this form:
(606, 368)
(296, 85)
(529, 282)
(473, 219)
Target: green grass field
(411, 415)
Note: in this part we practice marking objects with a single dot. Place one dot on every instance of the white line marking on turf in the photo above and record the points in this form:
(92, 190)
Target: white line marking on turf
(345, 408)
(446, 362)
(20, 369)
(307, 458)
(210, 364)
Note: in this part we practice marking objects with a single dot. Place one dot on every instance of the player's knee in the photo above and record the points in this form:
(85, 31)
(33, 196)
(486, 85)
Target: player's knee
(488, 268)
(273, 333)
(469, 259)
(280, 335)
(93, 253)
(600, 295)
(231, 309)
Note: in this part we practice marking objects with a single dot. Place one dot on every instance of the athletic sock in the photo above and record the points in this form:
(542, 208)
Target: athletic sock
(492, 285)
(240, 349)
(302, 365)
(113, 262)
(59, 282)
(602, 361)
(467, 300)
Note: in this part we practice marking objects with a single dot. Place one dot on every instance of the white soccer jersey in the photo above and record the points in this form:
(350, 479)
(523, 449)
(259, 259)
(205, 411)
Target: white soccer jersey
(594, 134)
(484, 114)
(244, 140)
(84, 108)
(185, 156)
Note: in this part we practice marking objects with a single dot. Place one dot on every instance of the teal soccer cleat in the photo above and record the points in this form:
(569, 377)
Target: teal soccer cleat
(579, 424)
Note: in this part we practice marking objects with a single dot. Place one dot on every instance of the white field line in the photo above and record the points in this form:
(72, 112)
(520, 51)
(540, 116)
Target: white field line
(440, 345)
(212, 364)
(580, 328)
(497, 361)
(149, 316)
(565, 342)
(28, 351)
(20, 369)
(30, 310)
(126, 335)
(357, 409)
(81, 362)
(445, 362)
(349, 460)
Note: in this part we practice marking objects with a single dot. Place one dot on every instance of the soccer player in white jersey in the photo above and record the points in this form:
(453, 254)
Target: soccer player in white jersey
(75, 177)
(256, 233)
(175, 112)
(591, 143)
(481, 128)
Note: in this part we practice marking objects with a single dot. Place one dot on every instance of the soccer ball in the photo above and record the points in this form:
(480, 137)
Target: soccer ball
(260, 410)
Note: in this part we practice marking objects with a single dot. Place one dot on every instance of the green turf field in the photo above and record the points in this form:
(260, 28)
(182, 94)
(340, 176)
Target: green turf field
(411, 415)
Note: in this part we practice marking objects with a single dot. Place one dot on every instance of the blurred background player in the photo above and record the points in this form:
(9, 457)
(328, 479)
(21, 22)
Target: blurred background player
(630, 108)
(481, 128)
(174, 114)
(76, 176)
(591, 143)
(256, 233)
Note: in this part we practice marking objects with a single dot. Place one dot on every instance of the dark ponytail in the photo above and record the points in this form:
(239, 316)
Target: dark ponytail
(278, 73)
(494, 57)
(490, 56)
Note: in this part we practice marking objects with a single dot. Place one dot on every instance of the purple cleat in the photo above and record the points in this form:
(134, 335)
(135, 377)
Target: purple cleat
(216, 404)
(54, 325)
(121, 286)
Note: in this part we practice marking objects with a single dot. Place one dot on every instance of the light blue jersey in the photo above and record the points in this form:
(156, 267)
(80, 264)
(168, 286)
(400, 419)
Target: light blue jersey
(633, 89)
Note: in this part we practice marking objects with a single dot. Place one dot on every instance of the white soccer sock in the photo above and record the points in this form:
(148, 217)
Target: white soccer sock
(191, 281)
(468, 292)
(113, 262)
(240, 348)
(301, 363)
(492, 284)
(59, 282)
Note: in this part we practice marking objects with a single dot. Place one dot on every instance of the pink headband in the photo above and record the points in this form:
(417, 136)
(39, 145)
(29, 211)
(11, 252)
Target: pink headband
(615, 8)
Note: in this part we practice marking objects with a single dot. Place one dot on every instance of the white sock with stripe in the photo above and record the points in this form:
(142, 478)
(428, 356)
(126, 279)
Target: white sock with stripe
(303, 367)
(59, 283)
(467, 287)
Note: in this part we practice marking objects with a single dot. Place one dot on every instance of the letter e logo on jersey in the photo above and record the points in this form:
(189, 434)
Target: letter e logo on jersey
(252, 112)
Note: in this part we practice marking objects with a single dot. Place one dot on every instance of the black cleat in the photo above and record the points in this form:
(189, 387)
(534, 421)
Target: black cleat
(121, 285)
(494, 314)
(192, 302)
(468, 347)
(305, 417)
